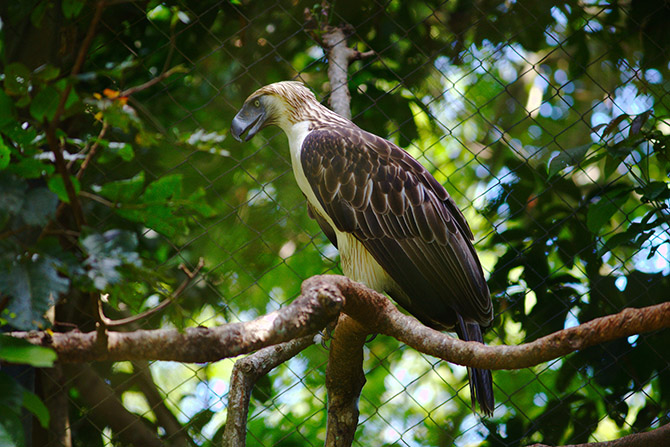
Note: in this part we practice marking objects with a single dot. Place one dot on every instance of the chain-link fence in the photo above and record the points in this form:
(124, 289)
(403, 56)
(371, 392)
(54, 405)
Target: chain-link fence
(546, 122)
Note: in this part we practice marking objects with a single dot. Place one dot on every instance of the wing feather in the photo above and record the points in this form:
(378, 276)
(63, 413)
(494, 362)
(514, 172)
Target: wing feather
(404, 218)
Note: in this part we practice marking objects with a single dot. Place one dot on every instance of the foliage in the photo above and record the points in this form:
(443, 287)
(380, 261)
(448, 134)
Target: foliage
(546, 121)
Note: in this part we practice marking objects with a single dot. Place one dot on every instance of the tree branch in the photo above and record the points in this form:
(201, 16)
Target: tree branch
(308, 314)
(344, 381)
(246, 373)
(107, 409)
(107, 322)
(657, 437)
(174, 432)
(321, 300)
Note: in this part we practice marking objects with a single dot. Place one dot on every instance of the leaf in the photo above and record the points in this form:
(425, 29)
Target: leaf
(12, 193)
(11, 430)
(17, 79)
(32, 284)
(16, 350)
(35, 405)
(163, 189)
(6, 109)
(57, 185)
(613, 125)
(4, 154)
(38, 206)
(601, 213)
(11, 394)
(46, 72)
(197, 202)
(654, 191)
(568, 157)
(123, 191)
(638, 122)
(108, 252)
(72, 8)
(31, 168)
(45, 104)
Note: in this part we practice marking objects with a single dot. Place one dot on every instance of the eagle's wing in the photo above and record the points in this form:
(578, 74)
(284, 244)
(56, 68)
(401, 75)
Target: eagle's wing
(404, 218)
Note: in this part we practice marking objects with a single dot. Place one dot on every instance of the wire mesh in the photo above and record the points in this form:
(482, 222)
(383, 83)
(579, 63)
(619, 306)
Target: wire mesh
(502, 115)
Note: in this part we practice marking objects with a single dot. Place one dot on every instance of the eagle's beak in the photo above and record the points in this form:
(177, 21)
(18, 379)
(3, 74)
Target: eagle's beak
(249, 118)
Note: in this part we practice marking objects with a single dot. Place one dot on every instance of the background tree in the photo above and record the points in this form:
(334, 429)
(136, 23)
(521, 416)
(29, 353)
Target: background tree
(545, 120)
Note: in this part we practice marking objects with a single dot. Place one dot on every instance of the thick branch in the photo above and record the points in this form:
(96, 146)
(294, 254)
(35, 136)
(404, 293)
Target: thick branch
(657, 437)
(339, 58)
(174, 432)
(107, 409)
(54, 391)
(321, 300)
(344, 381)
(378, 314)
(246, 373)
(308, 314)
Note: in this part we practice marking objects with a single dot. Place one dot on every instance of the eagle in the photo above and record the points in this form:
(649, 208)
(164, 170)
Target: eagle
(395, 226)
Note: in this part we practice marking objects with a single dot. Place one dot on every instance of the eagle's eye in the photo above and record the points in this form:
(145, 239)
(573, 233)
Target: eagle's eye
(257, 103)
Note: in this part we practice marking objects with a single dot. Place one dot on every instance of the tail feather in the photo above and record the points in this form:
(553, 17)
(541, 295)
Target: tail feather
(481, 381)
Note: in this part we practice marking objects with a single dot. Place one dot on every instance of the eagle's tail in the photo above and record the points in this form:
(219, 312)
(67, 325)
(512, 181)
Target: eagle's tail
(481, 382)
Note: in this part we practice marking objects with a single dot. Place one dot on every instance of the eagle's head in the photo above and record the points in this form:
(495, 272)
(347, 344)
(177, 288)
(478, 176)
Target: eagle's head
(282, 104)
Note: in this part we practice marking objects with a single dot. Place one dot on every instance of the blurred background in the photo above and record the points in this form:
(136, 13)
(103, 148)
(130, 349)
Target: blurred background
(547, 121)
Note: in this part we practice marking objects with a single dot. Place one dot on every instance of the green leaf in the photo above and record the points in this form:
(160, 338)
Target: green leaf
(4, 155)
(46, 72)
(568, 157)
(57, 186)
(11, 394)
(614, 124)
(17, 79)
(72, 8)
(108, 252)
(12, 193)
(197, 202)
(16, 350)
(45, 104)
(32, 284)
(601, 213)
(38, 206)
(654, 191)
(11, 429)
(35, 405)
(123, 191)
(163, 188)
(31, 168)
(638, 122)
(6, 109)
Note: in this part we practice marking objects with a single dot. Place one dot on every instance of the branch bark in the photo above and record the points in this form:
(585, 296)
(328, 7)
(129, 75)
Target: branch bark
(308, 314)
(657, 437)
(246, 373)
(339, 58)
(321, 300)
(56, 399)
(344, 381)
(107, 409)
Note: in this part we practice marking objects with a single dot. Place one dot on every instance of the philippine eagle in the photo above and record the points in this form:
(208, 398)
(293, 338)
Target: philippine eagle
(397, 229)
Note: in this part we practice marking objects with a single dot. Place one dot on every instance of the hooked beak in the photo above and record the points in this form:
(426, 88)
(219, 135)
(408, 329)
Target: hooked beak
(249, 119)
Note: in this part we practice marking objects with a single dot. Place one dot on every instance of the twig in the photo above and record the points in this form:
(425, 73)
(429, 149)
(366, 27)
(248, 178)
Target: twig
(107, 322)
(52, 141)
(246, 373)
(92, 150)
(150, 83)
